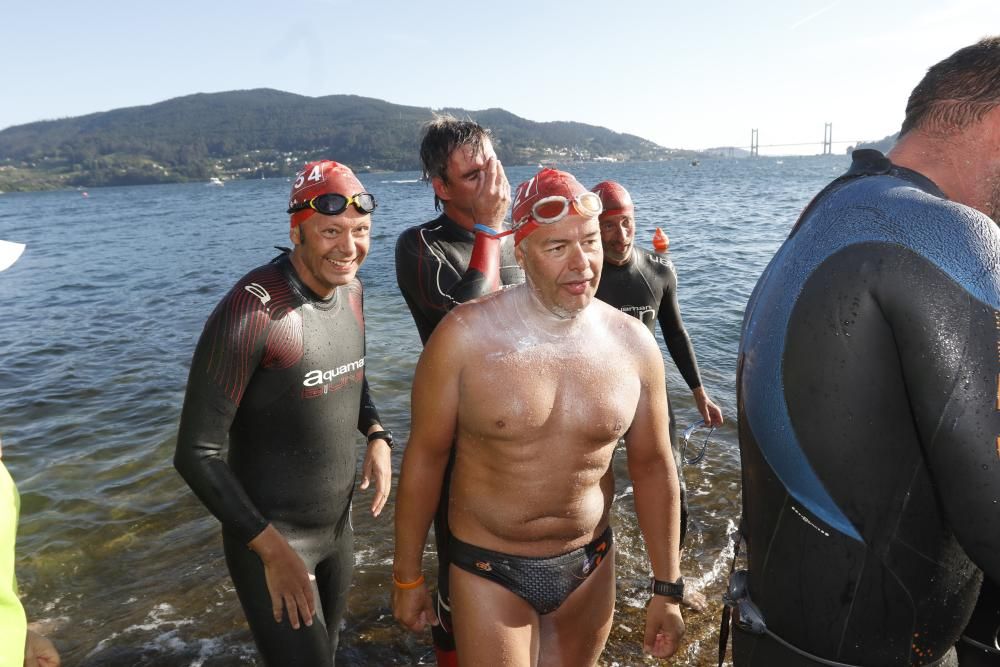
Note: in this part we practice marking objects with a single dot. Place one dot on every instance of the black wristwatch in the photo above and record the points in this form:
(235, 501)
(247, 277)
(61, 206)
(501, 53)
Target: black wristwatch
(381, 435)
(670, 589)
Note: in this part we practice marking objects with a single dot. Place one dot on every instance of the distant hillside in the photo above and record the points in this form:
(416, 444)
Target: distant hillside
(257, 133)
(883, 145)
(727, 151)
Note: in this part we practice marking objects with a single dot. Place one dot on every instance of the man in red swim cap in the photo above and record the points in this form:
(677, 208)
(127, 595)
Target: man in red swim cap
(280, 370)
(643, 284)
(532, 552)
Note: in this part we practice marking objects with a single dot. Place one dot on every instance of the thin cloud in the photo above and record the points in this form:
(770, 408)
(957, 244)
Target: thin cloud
(814, 15)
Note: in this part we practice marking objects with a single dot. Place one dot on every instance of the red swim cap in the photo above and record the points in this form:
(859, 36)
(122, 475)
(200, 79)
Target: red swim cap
(320, 178)
(615, 198)
(546, 183)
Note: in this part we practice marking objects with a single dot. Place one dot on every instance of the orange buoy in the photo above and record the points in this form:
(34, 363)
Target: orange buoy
(661, 243)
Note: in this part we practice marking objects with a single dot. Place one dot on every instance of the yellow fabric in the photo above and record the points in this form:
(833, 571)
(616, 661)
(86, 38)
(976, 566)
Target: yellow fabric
(13, 624)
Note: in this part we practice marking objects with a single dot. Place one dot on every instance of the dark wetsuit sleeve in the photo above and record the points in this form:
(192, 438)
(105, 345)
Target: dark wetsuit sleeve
(432, 282)
(675, 335)
(368, 415)
(228, 352)
(948, 339)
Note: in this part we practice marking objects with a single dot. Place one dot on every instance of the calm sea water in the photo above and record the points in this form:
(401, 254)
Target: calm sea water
(120, 562)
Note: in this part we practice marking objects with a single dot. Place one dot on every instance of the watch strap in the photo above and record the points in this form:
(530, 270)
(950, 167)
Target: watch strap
(381, 435)
(670, 589)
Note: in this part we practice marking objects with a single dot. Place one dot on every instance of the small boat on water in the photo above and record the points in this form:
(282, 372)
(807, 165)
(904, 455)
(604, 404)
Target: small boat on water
(215, 180)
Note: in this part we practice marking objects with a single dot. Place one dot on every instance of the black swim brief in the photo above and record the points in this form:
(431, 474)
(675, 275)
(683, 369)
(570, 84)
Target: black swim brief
(544, 583)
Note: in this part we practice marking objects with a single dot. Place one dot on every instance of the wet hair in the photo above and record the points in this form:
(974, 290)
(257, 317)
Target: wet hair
(442, 135)
(956, 92)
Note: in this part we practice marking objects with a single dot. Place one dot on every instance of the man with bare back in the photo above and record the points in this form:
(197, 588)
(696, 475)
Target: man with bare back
(532, 557)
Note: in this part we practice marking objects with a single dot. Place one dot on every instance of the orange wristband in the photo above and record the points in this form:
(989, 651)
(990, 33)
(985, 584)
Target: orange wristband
(417, 583)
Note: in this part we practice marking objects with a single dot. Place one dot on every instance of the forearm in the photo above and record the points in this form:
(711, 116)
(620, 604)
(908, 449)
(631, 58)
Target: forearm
(198, 459)
(368, 419)
(682, 352)
(417, 497)
(218, 489)
(676, 337)
(657, 507)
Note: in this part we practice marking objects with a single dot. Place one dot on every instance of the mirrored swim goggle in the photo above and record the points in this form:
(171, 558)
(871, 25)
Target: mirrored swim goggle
(686, 437)
(335, 204)
(554, 208)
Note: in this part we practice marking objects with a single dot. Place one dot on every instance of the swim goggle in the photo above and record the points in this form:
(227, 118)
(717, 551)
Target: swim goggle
(686, 437)
(554, 208)
(335, 204)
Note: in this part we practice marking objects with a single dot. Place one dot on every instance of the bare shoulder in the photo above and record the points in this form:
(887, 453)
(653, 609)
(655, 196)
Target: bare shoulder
(466, 326)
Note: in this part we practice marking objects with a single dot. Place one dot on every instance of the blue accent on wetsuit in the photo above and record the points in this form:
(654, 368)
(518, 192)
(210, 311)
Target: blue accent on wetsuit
(280, 372)
(867, 388)
(768, 413)
(544, 583)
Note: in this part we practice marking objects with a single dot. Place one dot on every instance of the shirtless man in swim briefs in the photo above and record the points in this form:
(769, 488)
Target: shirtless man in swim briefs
(450, 260)
(532, 571)
(867, 387)
(279, 370)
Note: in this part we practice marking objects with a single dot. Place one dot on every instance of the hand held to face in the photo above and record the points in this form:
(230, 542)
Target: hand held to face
(288, 580)
(492, 196)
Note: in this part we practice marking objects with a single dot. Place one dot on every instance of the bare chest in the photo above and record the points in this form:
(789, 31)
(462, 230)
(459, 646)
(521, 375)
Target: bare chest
(546, 391)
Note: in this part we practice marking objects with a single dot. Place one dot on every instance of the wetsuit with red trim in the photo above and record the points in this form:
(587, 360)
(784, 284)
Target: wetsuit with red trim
(439, 265)
(867, 387)
(281, 372)
(645, 287)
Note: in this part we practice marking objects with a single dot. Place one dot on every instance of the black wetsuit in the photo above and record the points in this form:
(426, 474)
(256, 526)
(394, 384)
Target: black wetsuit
(646, 288)
(432, 271)
(281, 372)
(868, 420)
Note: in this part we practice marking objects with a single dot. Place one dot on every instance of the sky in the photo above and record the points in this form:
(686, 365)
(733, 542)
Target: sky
(692, 74)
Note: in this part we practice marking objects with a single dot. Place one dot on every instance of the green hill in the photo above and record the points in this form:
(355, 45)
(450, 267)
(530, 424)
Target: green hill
(884, 144)
(258, 133)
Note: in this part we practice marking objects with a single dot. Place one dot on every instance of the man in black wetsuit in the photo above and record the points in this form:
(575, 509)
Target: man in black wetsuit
(643, 284)
(280, 369)
(452, 259)
(867, 392)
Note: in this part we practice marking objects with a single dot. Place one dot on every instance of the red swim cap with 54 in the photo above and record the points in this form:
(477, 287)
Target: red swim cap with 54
(615, 198)
(320, 178)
